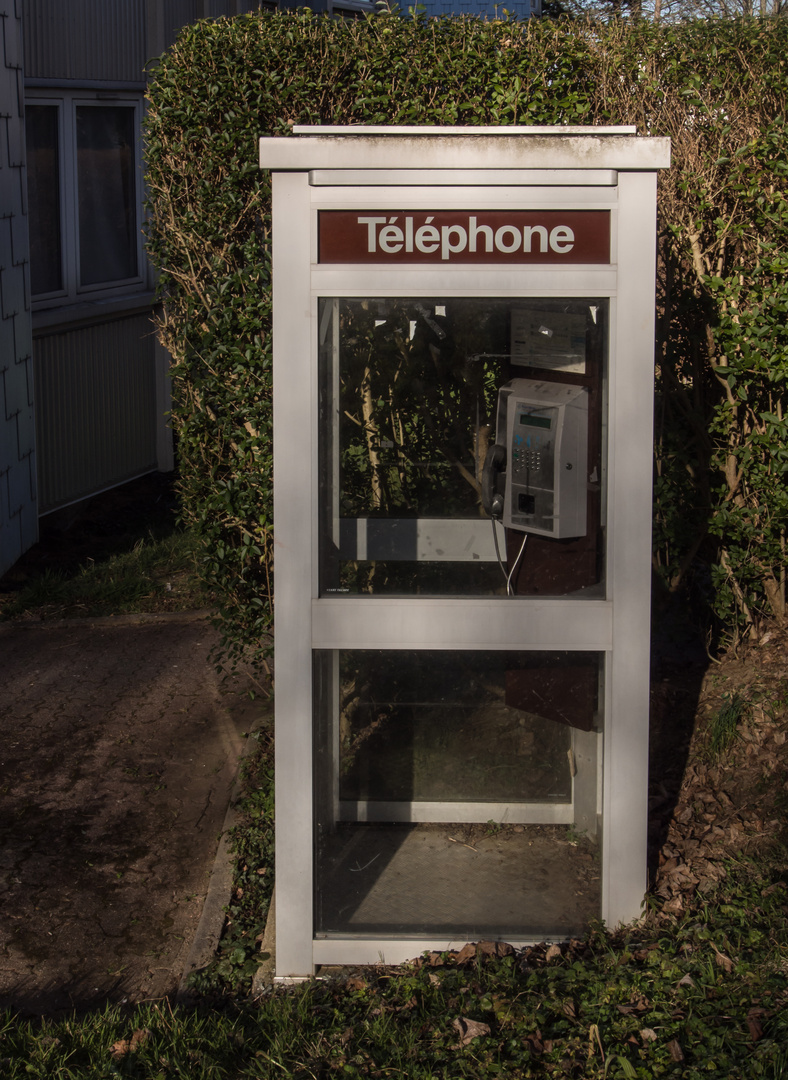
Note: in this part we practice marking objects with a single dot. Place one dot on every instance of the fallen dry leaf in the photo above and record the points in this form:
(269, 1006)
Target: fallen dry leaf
(494, 948)
(128, 1046)
(538, 1045)
(723, 961)
(470, 1029)
(466, 953)
(553, 953)
(637, 1003)
(675, 1050)
(754, 1017)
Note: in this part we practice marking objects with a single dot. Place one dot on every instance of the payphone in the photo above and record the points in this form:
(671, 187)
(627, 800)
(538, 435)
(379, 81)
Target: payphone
(461, 753)
(539, 459)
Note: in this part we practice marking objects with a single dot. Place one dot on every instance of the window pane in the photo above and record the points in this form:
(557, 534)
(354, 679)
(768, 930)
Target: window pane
(107, 203)
(480, 727)
(457, 793)
(43, 188)
(414, 392)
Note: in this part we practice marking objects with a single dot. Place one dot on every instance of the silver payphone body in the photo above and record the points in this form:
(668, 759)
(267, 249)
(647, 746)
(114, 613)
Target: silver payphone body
(541, 447)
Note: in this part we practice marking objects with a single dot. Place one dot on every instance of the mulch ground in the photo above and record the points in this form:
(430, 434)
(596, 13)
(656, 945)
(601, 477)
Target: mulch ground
(707, 808)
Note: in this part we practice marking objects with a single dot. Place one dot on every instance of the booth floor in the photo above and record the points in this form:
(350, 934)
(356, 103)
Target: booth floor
(479, 881)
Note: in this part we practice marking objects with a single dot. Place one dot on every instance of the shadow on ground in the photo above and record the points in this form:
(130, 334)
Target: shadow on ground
(120, 748)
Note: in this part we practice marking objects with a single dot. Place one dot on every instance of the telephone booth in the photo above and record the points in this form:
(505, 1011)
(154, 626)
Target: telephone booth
(463, 392)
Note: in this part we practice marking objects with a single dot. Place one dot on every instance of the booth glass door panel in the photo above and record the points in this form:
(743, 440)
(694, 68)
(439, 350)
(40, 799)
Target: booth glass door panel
(475, 773)
(410, 404)
(458, 791)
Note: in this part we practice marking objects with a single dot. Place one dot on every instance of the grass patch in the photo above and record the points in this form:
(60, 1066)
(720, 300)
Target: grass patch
(705, 995)
(724, 725)
(230, 973)
(157, 574)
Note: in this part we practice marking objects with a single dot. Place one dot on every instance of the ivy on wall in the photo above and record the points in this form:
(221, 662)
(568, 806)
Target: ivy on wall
(716, 88)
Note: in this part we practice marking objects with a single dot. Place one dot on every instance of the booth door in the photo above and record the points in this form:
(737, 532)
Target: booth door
(474, 770)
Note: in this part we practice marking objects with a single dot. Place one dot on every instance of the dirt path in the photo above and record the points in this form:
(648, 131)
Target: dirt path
(118, 751)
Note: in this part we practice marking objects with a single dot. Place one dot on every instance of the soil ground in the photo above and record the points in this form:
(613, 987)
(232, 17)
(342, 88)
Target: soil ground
(120, 747)
(711, 806)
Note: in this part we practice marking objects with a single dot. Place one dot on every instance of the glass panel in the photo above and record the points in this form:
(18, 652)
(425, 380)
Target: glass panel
(107, 194)
(457, 792)
(414, 393)
(43, 188)
(404, 716)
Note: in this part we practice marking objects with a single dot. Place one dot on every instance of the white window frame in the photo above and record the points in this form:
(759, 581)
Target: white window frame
(67, 102)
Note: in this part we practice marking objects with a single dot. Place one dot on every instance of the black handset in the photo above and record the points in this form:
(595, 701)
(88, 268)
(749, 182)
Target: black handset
(493, 481)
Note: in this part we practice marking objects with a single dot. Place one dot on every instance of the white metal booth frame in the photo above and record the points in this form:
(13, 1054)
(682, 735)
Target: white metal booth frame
(403, 185)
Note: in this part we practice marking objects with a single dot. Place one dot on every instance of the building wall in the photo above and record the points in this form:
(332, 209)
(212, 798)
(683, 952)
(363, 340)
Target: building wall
(18, 517)
(488, 9)
(101, 389)
(85, 40)
(96, 400)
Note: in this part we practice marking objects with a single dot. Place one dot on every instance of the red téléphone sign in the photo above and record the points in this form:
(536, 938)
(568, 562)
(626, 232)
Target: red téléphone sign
(464, 236)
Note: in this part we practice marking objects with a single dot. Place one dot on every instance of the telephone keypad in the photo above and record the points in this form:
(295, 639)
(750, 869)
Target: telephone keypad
(529, 462)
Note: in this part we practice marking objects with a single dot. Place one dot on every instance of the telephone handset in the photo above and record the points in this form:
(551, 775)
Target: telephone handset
(534, 477)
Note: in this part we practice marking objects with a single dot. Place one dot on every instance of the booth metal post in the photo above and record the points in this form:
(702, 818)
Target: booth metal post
(294, 397)
(625, 807)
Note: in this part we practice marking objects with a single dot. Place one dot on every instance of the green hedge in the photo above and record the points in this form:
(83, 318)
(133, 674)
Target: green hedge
(718, 89)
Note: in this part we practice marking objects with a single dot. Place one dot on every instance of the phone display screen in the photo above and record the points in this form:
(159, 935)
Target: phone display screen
(532, 420)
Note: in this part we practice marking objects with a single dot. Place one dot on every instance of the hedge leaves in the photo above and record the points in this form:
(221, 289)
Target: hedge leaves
(717, 88)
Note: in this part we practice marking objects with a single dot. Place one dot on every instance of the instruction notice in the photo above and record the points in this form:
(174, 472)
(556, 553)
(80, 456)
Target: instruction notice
(555, 340)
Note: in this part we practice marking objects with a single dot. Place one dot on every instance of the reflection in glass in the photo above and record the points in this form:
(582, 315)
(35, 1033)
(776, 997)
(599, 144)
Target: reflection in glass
(106, 191)
(451, 789)
(408, 408)
(438, 726)
(43, 187)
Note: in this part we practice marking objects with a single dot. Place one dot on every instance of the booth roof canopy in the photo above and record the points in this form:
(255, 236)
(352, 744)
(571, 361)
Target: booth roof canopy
(435, 129)
(378, 147)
